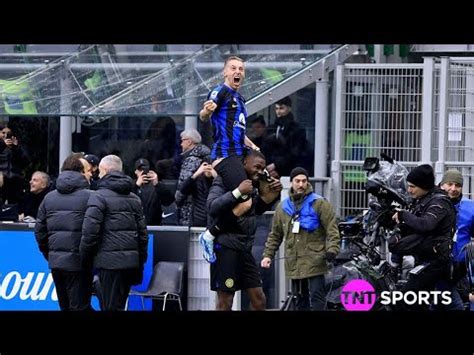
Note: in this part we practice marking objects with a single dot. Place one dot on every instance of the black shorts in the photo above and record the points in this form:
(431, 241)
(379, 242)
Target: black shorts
(232, 172)
(234, 270)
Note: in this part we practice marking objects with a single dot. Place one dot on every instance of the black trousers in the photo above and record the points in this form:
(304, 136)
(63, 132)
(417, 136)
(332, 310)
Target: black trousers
(115, 286)
(232, 172)
(435, 271)
(311, 293)
(74, 289)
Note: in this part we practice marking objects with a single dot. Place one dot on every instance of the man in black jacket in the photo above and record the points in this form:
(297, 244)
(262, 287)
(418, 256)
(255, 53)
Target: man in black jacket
(197, 185)
(285, 145)
(152, 192)
(235, 268)
(58, 232)
(430, 225)
(114, 234)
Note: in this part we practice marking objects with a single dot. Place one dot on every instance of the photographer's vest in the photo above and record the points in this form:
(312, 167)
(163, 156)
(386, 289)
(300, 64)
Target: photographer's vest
(306, 215)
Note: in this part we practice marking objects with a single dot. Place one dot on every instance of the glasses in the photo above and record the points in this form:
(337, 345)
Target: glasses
(185, 139)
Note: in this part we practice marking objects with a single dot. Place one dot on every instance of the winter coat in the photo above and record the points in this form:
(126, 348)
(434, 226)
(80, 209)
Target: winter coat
(152, 197)
(433, 217)
(58, 228)
(198, 189)
(114, 229)
(236, 232)
(191, 160)
(304, 251)
(464, 228)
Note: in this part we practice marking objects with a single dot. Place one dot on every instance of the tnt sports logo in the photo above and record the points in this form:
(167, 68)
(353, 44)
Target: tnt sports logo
(358, 295)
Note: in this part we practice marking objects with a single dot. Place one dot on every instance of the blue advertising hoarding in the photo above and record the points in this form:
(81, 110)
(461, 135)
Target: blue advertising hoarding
(26, 282)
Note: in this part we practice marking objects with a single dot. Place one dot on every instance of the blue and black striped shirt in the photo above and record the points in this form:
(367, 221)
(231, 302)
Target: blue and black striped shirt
(228, 122)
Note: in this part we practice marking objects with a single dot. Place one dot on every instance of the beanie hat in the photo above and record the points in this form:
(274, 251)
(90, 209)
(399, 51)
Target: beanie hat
(298, 171)
(422, 176)
(452, 175)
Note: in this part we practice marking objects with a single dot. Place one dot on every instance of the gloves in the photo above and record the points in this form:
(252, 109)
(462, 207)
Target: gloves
(330, 256)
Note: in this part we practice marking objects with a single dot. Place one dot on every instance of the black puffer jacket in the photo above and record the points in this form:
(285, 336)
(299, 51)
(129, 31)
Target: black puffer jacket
(237, 232)
(114, 229)
(433, 217)
(58, 226)
(152, 198)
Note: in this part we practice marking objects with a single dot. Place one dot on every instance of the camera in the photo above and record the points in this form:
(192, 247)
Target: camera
(265, 176)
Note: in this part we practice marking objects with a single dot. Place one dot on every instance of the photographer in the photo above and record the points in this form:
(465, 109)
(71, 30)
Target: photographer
(427, 230)
(308, 223)
(152, 193)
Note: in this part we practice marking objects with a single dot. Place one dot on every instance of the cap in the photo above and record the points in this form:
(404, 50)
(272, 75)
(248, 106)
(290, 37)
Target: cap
(92, 159)
(141, 163)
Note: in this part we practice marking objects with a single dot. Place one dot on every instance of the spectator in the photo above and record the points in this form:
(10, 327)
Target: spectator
(39, 187)
(93, 160)
(288, 147)
(13, 159)
(58, 232)
(115, 238)
(197, 186)
(194, 153)
(152, 193)
(257, 131)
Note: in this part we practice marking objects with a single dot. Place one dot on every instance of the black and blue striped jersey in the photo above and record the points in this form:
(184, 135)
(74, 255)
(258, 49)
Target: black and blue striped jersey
(228, 122)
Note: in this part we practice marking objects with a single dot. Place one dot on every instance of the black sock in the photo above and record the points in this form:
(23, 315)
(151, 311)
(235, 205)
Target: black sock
(214, 230)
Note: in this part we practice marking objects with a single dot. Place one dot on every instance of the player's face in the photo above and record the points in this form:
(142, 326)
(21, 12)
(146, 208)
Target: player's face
(234, 73)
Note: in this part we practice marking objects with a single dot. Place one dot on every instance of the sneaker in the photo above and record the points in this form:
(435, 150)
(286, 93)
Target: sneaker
(207, 249)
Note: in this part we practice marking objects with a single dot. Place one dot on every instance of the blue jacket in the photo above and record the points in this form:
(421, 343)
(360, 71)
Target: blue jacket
(464, 228)
(308, 218)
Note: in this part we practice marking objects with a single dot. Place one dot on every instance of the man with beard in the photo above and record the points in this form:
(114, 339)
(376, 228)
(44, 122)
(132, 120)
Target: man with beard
(307, 222)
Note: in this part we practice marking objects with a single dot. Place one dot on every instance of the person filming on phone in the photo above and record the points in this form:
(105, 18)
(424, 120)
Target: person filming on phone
(13, 159)
(152, 193)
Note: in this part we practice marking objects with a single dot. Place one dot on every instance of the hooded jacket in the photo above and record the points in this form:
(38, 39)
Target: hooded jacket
(304, 251)
(114, 229)
(58, 228)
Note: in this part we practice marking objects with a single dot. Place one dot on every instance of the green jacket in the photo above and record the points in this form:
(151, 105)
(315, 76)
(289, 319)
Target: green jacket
(304, 251)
